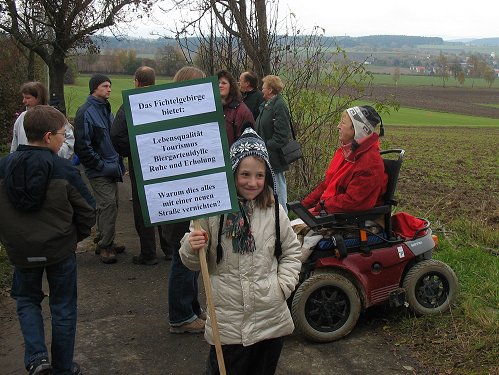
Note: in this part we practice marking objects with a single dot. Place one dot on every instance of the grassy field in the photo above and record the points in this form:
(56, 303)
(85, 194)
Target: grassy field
(76, 94)
(445, 178)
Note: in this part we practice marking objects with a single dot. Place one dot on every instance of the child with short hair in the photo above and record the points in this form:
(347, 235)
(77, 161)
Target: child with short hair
(46, 209)
(253, 261)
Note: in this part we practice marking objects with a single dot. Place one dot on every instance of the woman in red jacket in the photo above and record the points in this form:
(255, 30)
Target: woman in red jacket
(237, 115)
(356, 178)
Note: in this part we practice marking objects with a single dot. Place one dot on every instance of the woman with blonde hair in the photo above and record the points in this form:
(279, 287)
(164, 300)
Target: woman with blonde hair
(273, 125)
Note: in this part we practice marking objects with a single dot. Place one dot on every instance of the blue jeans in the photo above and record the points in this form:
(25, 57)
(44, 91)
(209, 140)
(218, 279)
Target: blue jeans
(28, 293)
(183, 304)
(282, 189)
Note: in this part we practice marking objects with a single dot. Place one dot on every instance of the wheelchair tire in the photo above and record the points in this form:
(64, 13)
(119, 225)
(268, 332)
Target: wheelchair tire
(326, 307)
(431, 287)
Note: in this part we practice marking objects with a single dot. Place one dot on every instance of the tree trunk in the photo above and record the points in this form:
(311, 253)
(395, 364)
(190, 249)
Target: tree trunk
(263, 52)
(57, 69)
(31, 66)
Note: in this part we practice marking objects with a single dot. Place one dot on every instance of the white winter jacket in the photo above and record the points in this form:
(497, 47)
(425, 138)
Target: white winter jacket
(19, 138)
(250, 290)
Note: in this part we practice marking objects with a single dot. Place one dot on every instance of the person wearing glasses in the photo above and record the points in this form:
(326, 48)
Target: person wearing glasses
(34, 93)
(103, 165)
(46, 210)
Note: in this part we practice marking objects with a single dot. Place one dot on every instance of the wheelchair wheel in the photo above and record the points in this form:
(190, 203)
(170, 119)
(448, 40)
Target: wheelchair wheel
(326, 307)
(431, 287)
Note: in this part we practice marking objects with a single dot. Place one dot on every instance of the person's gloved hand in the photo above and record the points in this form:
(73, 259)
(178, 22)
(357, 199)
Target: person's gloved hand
(311, 239)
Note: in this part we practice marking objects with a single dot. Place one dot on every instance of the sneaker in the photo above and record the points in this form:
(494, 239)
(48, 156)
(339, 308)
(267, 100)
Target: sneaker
(40, 366)
(196, 326)
(203, 315)
(75, 369)
(137, 259)
(108, 256)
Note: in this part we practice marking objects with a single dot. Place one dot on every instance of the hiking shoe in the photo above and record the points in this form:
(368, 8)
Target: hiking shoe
(75, 369)
(108, 256)
(40, 366)
(196, 326)
(118, 249)
(137, 259)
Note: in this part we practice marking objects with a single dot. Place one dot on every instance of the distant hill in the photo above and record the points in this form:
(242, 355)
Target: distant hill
(484, 42)
(389, 41)
(150, 45)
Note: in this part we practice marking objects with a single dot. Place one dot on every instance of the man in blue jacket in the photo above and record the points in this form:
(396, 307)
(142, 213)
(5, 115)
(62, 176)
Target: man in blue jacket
(103, 166)
(46, 209)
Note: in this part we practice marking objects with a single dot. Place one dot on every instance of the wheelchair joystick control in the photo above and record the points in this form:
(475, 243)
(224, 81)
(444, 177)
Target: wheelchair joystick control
(323, 211)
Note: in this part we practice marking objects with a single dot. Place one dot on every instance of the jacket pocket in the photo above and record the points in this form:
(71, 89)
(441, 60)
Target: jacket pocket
(111, 169)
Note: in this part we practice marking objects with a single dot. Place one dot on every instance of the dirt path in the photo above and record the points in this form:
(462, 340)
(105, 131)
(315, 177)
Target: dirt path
(123, 326)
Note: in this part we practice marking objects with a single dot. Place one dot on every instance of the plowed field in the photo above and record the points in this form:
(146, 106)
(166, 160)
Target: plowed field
(444, 99)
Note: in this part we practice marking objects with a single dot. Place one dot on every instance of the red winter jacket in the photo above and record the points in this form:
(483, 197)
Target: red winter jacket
(237, 115)
(351, 186)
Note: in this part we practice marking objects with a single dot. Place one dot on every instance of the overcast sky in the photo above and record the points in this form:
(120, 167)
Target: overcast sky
(443, 18)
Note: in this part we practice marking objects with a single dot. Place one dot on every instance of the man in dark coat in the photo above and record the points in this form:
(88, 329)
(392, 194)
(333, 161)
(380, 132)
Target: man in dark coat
(252, 97)
(103, 166)
(144, 76)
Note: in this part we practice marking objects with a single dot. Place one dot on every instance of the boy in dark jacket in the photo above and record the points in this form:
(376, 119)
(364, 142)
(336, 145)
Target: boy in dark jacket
(46, 209)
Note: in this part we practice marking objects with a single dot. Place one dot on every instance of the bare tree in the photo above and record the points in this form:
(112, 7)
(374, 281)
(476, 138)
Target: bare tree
(396, 75)
(52, 28)
(442, 68)
(489, 75)
(244, 25)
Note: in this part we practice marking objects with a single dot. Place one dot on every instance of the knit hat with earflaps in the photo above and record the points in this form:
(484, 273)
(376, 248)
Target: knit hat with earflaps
(364, 119)
(238, 225)
(251, 144)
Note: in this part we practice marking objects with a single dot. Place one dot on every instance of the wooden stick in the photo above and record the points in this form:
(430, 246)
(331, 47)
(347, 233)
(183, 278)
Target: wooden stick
(211, 306)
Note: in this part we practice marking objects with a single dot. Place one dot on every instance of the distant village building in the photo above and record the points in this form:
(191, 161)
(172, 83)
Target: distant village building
(427, 70)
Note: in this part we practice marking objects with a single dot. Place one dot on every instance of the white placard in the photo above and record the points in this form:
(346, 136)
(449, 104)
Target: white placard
(179, 151)
(185, 198)
(168, 104)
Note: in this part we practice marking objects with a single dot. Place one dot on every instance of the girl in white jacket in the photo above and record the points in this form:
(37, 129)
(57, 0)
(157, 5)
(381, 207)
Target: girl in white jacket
(253, 261)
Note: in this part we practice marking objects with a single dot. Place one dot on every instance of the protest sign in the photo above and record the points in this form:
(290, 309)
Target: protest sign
(180, 151)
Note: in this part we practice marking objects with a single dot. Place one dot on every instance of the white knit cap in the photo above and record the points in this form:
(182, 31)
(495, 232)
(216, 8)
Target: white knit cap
(362, 126)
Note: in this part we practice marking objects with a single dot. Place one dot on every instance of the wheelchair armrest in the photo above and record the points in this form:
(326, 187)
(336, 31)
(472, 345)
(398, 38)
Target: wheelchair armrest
(355, 217)
(337, 218)
(309, 219)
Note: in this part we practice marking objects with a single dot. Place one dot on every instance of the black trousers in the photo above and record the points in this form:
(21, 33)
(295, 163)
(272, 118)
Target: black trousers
(147, 236)
(258, 359)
